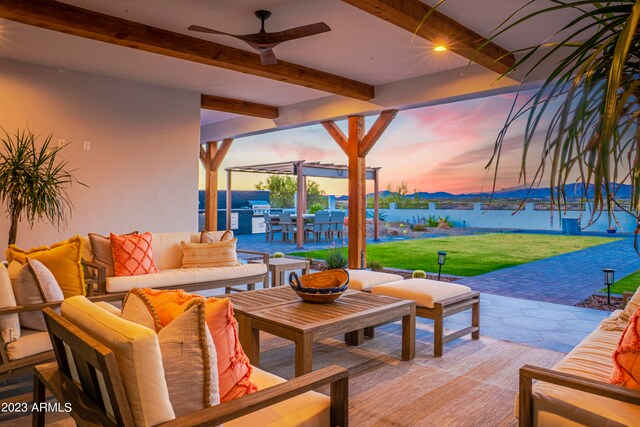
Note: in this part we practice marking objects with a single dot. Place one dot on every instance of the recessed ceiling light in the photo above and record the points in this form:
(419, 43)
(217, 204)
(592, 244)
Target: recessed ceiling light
(440, 48)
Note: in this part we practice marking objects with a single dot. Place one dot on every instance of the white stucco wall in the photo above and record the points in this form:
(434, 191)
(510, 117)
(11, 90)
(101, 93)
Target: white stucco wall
(142, 168)
(526, 219)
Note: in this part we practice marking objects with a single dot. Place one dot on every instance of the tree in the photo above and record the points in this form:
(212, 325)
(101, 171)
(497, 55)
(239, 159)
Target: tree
(33, 183)
(283, 188)
(399, 194)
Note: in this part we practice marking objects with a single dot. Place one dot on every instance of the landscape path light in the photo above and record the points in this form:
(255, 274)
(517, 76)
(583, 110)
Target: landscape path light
(441, 258)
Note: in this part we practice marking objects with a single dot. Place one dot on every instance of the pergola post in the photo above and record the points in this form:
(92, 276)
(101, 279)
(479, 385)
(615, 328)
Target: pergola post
(357, 194)
(299, 204)
(211, 158)
(356, 146)
(376, 205)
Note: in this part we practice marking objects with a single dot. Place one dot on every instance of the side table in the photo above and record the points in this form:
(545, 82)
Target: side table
(278, 266)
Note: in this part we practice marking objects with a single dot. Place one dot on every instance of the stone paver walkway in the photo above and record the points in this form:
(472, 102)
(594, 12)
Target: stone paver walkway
(563, 279)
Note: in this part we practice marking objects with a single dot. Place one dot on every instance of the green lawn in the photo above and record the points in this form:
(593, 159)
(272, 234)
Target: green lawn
(472, 255)
(627, 284)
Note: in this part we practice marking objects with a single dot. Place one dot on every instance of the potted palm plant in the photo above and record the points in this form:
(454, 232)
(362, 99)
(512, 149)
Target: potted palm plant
(33, 181)
(593, 97)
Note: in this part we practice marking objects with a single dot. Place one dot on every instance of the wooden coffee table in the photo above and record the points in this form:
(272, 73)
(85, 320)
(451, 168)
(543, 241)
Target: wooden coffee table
(279, 311)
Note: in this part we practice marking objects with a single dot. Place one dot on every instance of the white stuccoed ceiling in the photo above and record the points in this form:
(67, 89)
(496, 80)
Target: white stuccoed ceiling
(359, 46)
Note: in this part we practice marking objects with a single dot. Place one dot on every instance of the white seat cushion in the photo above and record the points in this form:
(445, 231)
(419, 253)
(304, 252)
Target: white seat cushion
(364, 280)
(137, 354)
(424, 292)
(235, 272)
(31, 342)
(308, 409)
(556, 405)
(176, 276)
(183, 276)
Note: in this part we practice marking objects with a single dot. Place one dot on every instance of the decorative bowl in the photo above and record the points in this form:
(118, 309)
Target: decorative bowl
(322, 287)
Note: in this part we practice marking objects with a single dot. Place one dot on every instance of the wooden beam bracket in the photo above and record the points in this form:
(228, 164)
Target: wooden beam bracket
(337, 135)
(382, 122)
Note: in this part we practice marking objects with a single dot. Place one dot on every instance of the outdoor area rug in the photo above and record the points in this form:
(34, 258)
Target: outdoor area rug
(473, 384)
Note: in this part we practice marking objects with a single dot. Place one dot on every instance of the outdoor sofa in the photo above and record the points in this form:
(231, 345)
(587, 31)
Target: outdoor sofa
(167, 258)
(577, 391)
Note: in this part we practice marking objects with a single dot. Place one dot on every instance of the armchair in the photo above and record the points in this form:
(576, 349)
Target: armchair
(108, 405)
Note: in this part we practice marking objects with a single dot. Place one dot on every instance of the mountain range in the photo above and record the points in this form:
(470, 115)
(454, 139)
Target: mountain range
(572, 190)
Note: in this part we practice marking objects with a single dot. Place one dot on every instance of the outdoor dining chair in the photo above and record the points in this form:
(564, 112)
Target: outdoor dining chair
(319, 227)
(336, 225)
(271, 227)
(288, 227)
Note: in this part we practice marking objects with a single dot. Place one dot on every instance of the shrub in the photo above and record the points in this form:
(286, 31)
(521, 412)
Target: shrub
(433, 221)
(278, 255)
(315, 208)
(401, 225)
(382, 214)
(374, 265)
(419, 274)
(336, 258)
(445, 223)
(419, 227)
(404, 232)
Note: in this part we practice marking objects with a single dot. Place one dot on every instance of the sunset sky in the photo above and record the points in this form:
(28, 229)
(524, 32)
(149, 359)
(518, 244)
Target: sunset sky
(439, 148)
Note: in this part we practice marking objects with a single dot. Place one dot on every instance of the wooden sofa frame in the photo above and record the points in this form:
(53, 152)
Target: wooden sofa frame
(87, 400)
(440, 311)
(100, 274)
(529, 373)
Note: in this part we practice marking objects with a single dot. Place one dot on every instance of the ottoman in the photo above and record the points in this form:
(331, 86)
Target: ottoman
(437, 300)
(364, 280)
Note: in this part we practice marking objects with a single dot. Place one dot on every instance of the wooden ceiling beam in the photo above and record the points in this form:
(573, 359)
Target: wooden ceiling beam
(238, 106)
(65, 18)
(439, 29)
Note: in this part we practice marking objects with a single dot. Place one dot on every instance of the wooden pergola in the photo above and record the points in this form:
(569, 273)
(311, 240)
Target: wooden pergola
(303, 169)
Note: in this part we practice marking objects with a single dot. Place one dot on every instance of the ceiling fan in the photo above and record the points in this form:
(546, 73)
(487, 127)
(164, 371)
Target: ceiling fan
(264, 42)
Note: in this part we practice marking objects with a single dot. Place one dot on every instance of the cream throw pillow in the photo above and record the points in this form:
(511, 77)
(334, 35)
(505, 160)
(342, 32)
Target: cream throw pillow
(189, 361)
(9, 323)
(136, 308)
(215, 236)
(33, 283)
(213, 254)
(137, 353)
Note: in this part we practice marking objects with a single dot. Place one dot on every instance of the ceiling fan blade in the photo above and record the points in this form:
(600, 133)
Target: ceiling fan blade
(267, 57)
(208, 30)
(299, 32)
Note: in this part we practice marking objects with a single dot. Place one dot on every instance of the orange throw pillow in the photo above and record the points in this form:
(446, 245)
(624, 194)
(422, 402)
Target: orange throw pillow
(626, 358)
(132, 254)
(234, 369)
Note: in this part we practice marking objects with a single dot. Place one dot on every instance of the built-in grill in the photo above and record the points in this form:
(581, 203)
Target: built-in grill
(259, 208)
